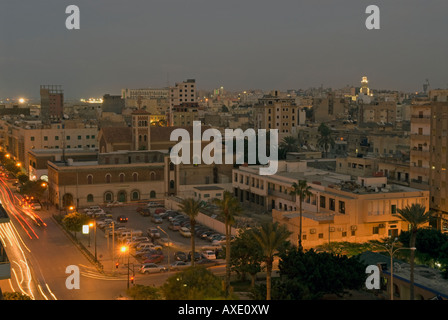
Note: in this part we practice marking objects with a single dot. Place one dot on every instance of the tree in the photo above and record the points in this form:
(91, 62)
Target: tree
(246, 255)
(74, 221)
(191, 208)
(194, 283)
(141, 292)
(310, 275)
(325, 139)
(415, 215)
(288, 144)
(270, 237)
(301, 189)
(229, 206)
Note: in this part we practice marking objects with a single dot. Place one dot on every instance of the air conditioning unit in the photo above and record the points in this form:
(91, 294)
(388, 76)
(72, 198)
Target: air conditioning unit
(312, 231)
(381, 225)
(332, 229)
(353, 228)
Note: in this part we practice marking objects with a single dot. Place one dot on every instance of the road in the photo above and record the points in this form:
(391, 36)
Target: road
(40, 252)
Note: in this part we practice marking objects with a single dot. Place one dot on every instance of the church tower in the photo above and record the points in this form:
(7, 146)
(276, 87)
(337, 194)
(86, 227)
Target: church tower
(141, 130)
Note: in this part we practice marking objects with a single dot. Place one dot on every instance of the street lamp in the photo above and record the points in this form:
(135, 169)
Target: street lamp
(92, 224)
(169, 244)
(124, 249)
(390, 249)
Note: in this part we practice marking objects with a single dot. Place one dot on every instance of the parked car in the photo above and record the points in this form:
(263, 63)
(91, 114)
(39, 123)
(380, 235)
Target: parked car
(143, 211)
(92, 208)
(153, 233)
(197, 256)
(175, 226)
(122, 219)
(209, 254)
(215, 236)
(207, 263)
(156, 258)
(185, 232)
(136, 240)
(151, 268)
(153, 204)
(147, 245)
(114, 204)
(156, 219)
(179, 265)
(165, 242)
(181, 256)
(159, 211)
(205, 234)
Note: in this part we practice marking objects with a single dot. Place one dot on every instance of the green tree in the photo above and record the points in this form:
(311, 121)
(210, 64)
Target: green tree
(74, 221)
(270, 237)
(141, 292)
(229, 207)
(191, 208)
(194, 283)
(288, 144)
(246, 255)
(315, 274)
(326, 139)
(303, 190)
(415, 215)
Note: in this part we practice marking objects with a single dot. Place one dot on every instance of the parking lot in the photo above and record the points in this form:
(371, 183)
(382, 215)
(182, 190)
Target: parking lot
(166, 244)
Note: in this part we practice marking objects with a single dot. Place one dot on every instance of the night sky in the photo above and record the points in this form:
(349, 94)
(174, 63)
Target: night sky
(241, 45)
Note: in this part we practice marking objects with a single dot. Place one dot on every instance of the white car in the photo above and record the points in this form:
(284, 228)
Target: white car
(114, 204)
(208, 254)
(185, 232)
(151, 268)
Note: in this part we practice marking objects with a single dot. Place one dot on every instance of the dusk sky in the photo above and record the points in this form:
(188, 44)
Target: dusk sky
(241, 45)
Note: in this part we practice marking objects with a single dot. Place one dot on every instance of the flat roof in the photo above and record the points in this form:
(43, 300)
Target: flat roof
(208, 188)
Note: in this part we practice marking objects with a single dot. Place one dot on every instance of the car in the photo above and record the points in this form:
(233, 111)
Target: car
(197, 256)
(114, 204)
(156, 258)
(151, 268)
(209, 254)
(214, 236)
(143, 211)
(122, 219)
(206, 234)
(104, 222)
(185, 232)
(165, 242)
(92, 208)
(174, 226)
(207, 263)
(158, 211)
(156, 219)
(180, 256)
(153, 204)
(36, 206)
(147, 246)
(179, 265)
(153, 233)
(134, 241)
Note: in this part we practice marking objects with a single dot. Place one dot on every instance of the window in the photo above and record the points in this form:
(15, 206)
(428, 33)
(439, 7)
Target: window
(152, 194)
(322, 201)
(393, 209)
(341, 207)
(321, 235)
(56, 138)
(332, 204)
(376, 230)
(32, 138)
(121, 176)
(92, 136)
(79, 138)
(90, 198)
(135, 195)
(89, 179)
(135, 176)
(108, 197)
(108, 178)
(67, 138)
(45, 138)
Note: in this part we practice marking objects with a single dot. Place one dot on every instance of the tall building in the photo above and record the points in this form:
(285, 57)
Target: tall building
(420, 145)
(365, 86)
(52, 103)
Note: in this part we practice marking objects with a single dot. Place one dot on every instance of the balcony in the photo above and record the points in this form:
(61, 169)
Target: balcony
(420, 137)
(426, 119)
(282, 195)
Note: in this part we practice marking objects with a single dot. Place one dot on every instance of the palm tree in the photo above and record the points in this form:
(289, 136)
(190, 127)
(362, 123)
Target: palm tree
(229, 207)
(415, 215)
(270, 237)
(191, 207)
(288, 144)
(302, 190)
(326, 139)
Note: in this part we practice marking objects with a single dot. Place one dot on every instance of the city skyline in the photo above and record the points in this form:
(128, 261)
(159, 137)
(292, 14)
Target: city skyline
(239, 46)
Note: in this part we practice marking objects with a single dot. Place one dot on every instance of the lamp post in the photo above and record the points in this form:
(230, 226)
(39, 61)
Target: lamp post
(169, 244)
(124, 249)
(93, 224)
(390, 249)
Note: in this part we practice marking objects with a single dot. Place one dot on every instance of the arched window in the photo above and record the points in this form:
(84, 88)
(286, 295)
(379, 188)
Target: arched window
(152, 194)
(135, 195)
(135, 176)
(89, 179)
(172, 184)
(121, 177)
(171, 166)
(108, 178)
(90, 198)
(108, 196)
(152, 175)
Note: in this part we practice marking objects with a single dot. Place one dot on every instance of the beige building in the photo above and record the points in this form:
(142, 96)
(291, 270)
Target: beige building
(340, 209)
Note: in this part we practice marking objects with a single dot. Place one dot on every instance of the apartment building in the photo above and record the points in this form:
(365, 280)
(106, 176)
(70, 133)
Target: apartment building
(341, 208)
